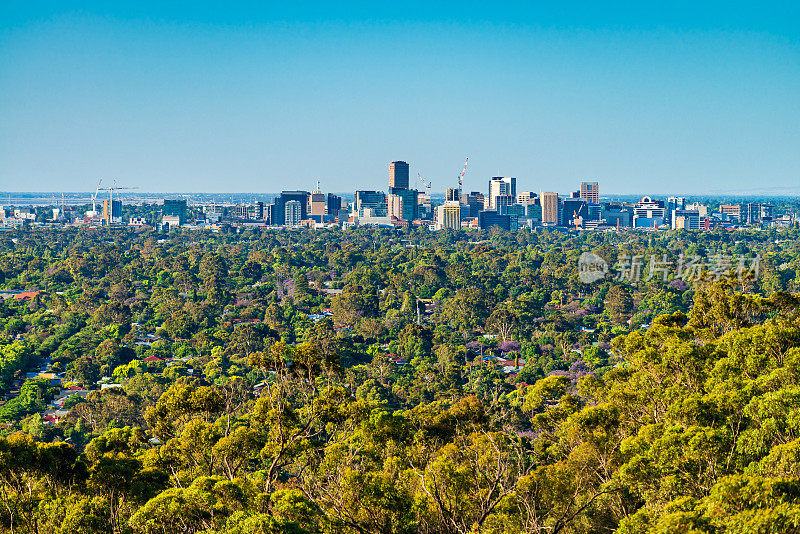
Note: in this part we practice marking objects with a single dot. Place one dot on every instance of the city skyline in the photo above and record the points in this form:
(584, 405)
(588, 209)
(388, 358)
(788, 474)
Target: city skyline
(247, 99)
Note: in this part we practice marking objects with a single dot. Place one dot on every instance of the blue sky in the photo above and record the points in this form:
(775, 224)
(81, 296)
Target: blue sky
(686, 98)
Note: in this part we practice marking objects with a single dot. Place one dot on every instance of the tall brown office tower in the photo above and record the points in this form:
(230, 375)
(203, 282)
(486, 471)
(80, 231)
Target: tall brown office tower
(398, 175)
(590, 192)
(549, 208)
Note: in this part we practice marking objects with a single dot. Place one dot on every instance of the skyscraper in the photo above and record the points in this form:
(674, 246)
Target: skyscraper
(403, 204)
(370, 204)
(292, 213)
(334, 204)
(550, 207)
(501, 185)
(316, 205)
(448, 215)
(113, 213)
(398, 175)
(501, 202)
(750, 213)
(279, 212)
(590, 192)
(475, 201)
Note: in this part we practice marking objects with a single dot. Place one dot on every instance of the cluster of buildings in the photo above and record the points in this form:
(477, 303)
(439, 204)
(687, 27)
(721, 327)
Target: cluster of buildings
(402, 206)
(17, 217)
(507, 208)
(290, 209)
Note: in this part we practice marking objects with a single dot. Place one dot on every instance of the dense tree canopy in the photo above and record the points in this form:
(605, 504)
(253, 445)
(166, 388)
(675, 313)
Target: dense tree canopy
(377, 381)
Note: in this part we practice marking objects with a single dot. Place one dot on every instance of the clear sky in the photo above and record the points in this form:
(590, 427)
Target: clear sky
(689, 97)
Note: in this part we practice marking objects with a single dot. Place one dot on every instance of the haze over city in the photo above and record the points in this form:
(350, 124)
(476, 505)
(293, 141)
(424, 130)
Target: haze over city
(250, 98)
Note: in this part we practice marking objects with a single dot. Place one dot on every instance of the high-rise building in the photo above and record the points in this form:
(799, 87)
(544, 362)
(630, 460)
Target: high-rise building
(370, 204)
(398, 174)
(334, 204)
(175, 208)
(533, 212)
(114, 214)
(685, 219)
(425, 206)
(403, 204)
(475, 201)
(590, 192)
(649, 213)
(750, 213)
(249, 212)
(453, 194)
(219, 209)
(279, 211)
(731, 210)
(395, 205)
(676, 203)
(502, 202)
(516, 211)
(448, 215)
(702, 209)
(293, 211)
(317, 206)
(594, 212)
(550, 208)
(501, 185)
(489, 218)
(527, 197)
(573, 212)
(617, 215)
(242, 211)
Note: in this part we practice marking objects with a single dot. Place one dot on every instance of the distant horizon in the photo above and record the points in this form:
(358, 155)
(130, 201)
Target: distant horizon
(138, 196)
(787, 191)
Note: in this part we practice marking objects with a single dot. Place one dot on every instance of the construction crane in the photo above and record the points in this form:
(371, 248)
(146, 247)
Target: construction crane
(111, 190)
(461, 176)
(426, 184)
(94, 198)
